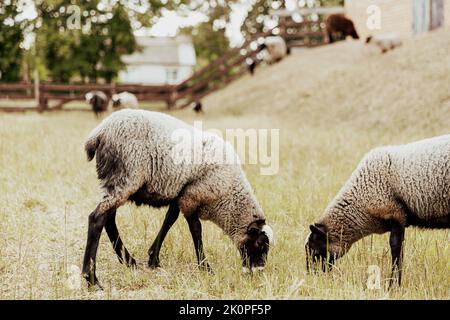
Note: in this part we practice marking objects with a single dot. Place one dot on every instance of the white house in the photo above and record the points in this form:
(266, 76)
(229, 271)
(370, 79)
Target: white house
(162, 60)
(404, 17)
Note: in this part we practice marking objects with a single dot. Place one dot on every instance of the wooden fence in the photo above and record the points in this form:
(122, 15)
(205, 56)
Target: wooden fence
(63, 93)
(213, 76)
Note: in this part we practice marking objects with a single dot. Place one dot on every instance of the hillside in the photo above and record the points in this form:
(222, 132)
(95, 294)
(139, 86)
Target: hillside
(350, 82)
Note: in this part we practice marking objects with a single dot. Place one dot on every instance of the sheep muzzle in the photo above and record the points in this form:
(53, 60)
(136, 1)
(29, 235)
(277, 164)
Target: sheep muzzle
(255, 248)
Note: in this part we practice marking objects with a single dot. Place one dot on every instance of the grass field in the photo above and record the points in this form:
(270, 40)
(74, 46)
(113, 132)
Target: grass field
(331, 105)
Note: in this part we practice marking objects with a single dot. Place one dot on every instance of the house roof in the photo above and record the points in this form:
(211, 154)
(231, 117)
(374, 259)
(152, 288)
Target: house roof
(163, 51)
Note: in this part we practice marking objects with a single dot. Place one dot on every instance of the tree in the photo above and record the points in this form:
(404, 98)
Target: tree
(11, 37)
(209, 37)
(99, 51)
(84, 40)
(120, 42)
(259, 19)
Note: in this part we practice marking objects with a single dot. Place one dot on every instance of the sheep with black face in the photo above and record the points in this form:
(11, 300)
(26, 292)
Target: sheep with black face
(274, 49)
(125, 99)
(98, 101)
(140, 159)
(394, 187)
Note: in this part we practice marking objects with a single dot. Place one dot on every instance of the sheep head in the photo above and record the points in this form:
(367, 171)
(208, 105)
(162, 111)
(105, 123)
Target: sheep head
(255, 247)
(318, 249)
(116, 100)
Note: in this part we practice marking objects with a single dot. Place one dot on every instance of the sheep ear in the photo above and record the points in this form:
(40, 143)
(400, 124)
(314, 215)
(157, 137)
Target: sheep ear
(254, 228)
(318, 229)
(269, 233)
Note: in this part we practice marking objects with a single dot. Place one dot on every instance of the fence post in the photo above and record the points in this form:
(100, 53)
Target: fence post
(282, 26)
(36, 88)
(172, 98)
(43, 101)
(112, 90)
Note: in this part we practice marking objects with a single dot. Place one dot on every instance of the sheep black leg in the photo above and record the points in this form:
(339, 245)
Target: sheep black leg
(169, 220)
(196, 231)
(97, 220)
(396, 242)
(113, 234)
(330, 37)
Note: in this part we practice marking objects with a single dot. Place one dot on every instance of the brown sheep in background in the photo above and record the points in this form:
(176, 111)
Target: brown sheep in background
(339, 24)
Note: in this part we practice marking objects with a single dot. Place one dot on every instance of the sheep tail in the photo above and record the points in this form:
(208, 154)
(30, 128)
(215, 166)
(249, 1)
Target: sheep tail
(91, 145)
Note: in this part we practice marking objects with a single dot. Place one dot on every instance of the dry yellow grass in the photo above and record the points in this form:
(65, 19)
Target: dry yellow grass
(332, 105)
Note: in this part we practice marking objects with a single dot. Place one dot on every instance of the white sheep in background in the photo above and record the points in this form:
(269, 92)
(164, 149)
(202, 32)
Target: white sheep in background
(274, 49)
(393, 187)
(136, 156)
(125, 99)
(385, 42)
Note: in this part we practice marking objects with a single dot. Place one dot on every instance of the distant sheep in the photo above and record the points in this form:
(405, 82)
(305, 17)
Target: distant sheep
(98, 101)
(136, 154)
(198, 107)
(252, 66)
(274, 49)
(385, 42)
(338, 24)
(394, 187)
(125, 99)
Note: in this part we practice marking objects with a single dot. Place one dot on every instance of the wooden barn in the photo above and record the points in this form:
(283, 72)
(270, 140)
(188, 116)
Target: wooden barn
(404, 17)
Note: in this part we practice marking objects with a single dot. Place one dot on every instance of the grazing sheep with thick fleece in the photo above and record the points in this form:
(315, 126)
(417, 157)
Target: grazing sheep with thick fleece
(98, 100)
(274, 49)
(393, 187)
(385, 42)
(125, 99)
(338, 24)
(142, 157)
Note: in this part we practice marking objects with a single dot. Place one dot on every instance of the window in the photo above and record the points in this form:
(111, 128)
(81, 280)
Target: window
(171, 75)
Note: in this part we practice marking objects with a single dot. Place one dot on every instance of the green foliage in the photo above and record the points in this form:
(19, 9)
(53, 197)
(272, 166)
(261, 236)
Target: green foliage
(11, 36)
(121, 42)
(331, 2)
(257, 16)
(209, 37)
(84, 41)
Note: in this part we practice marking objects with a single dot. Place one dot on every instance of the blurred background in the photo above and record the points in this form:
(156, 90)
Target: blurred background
(175, 51)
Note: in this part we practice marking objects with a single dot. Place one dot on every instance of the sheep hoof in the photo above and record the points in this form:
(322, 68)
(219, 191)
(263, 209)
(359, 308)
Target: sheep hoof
(206, 267)
(132, 264)
(95, 287)
(394, 284)
(92, 282)
(154, 264)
